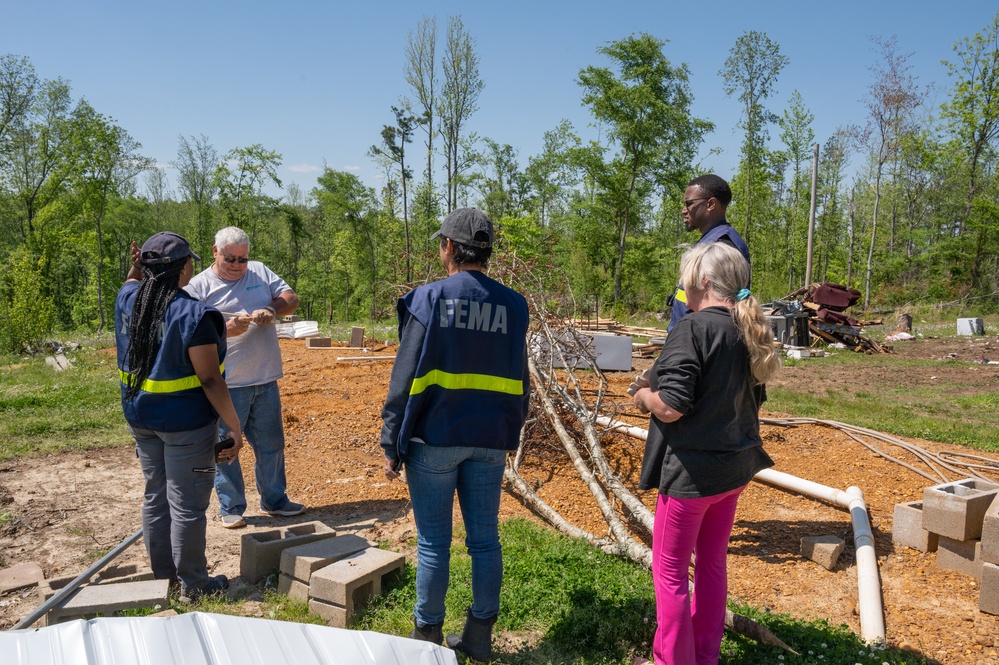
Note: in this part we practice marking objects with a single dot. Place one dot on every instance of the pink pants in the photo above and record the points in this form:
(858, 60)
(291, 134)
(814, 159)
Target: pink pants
(689, 629)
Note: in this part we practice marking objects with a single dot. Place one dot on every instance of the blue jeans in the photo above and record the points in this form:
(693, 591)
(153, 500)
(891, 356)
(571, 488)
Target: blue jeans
(259, 411)
(179, 468)
(434, 473)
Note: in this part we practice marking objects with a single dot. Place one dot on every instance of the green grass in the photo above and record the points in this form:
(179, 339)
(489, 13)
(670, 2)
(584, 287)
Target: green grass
(43, 411)
(934, 410)
(564, 602)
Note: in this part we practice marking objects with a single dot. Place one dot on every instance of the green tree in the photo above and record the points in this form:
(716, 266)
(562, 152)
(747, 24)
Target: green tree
(891, 101)
(27, 311)
(459, 99)
(240, 179)
(751, 71)
(422, 75)
(196, 166)
(107, 161)
(393, 148)
(644, 102)
(798, 138)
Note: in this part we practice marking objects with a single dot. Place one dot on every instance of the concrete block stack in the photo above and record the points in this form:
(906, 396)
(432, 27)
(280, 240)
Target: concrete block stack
(260, 552)
(960, 520)
(337, 576)
(988, 599)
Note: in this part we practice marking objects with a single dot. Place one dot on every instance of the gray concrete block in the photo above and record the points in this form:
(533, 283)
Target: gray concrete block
(299, 562)
(356, 337)
(990, 533)
(988, 597)
(260, 552)
(105, 599)
(293, 588)
(907, 528)
(20, 576)
(334, 615)
(125, 573)
(962, 556)
(291, 318)
(318, 342)
(823, 550)
(49, 588)
(351, 581)
(957, 510)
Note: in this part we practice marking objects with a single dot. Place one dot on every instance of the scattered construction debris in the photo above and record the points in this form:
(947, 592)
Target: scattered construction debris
(819, 310)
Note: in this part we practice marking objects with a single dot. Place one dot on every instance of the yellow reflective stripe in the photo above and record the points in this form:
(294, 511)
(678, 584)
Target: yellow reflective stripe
(167, 386)
(681, 295)
(450, 381)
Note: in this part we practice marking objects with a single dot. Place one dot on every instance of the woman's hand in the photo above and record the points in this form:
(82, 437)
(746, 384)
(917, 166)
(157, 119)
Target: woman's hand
(391, 468)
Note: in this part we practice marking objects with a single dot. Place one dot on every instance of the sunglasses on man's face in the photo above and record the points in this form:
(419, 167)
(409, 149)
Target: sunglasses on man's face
(235, 259)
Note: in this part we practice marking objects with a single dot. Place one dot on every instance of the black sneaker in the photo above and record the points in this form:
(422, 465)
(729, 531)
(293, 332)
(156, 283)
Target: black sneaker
(216, 586)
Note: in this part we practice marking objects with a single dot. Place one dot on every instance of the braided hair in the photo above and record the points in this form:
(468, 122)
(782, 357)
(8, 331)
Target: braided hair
(160, 283)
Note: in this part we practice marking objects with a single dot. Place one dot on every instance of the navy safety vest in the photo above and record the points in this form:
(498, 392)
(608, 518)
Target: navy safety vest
(171, 398)
(678, 301)
(471, 386)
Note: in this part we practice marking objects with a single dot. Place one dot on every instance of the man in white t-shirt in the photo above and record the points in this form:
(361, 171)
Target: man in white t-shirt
(250, 296)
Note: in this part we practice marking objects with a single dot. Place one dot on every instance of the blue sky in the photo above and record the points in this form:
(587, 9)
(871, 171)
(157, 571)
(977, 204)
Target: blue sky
(314, 81)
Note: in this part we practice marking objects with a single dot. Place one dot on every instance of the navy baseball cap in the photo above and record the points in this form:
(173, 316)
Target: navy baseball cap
(166, 247)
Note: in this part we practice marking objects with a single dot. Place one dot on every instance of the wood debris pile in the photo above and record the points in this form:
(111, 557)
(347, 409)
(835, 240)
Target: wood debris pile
(650, 349)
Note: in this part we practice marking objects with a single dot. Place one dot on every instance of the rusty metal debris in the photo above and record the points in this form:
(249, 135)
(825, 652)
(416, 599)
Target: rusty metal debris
(819, 311)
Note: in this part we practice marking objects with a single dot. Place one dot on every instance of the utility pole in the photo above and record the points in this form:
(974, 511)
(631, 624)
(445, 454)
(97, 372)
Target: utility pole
(811, 215)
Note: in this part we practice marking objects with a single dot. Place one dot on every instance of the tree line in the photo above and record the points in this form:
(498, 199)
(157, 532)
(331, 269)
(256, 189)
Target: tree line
(917, 223)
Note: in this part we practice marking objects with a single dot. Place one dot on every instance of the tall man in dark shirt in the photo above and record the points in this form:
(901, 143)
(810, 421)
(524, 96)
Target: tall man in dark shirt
(704, 203)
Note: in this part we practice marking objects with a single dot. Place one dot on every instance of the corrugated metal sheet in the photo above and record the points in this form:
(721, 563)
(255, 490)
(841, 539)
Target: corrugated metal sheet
(200, 638)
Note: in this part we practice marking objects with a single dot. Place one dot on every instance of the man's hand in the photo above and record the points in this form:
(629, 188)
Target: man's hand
(262, 316)
(136, 255)
(391, 468)
(237, 325)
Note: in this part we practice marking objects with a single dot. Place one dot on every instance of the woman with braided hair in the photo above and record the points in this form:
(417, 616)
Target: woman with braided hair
(704, 394)
(170, 350)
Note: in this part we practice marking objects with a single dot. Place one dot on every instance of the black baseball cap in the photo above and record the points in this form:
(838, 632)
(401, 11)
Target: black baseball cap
(464, 224)
(166, 247)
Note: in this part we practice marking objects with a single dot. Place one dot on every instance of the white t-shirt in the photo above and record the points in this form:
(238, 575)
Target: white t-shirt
(254, 357)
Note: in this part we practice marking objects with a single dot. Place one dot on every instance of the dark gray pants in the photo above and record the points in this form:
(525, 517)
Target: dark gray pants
(179, 468)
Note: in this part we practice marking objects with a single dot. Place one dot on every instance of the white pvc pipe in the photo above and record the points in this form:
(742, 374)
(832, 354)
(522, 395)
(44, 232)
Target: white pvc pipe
(872, 623)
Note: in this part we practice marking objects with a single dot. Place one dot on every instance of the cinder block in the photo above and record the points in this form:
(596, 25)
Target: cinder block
(318, 342)
(356, 337)
(299, 562)
(49, 588)
(962, 556)
(260, 552)
(990, 533)
(335, 616)
(351, 581)
(823, 550)
(105, 599)
(291, 318)
(907, 528)
(125, 573)
(20, 576)
(293, 588)
(988, 597)
(957, 510)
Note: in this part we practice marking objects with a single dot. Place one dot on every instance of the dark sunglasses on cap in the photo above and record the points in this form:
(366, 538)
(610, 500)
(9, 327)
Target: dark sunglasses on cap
(235, 259)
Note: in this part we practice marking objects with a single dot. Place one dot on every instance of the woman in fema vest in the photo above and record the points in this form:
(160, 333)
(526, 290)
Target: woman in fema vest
(704, 393)
(457, 400)
(170, 349)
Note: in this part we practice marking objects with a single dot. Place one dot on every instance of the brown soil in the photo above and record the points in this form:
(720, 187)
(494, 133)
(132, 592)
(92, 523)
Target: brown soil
(69, 508)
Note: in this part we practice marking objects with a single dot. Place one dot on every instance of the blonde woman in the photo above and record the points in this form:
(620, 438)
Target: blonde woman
(704, 393)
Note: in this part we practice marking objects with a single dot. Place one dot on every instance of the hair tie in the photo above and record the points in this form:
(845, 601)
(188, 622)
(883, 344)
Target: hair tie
(742, 294)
